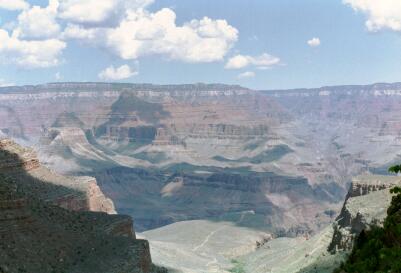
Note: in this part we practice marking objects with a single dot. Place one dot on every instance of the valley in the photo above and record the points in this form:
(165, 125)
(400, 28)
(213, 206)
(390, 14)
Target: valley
(211, 162)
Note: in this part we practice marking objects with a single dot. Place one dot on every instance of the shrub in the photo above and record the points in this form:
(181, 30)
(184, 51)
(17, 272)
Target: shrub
(379, 249)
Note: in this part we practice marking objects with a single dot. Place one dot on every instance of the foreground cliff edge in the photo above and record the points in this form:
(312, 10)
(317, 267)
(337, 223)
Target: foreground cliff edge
(378, 249)
(364, 209)
(52, 223)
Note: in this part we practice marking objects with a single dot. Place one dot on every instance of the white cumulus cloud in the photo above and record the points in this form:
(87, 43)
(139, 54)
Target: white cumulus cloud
(126, 28)
(98, 11)
(38, 23)
(74, 31)
(241, 61)
(381, 14)
(247, 74)
(314, 42)
(114, 74)
(30, 54)
(13, 4)
(143, 33)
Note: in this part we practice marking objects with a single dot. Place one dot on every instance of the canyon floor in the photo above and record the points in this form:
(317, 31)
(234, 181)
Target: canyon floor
(205, 246)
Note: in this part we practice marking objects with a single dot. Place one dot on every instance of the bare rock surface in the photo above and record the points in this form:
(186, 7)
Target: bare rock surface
(365, 206)
(83, 194)
(51, 223)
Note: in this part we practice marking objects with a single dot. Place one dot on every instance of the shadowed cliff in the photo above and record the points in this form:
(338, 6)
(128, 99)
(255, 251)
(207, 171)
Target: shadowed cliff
(37, 235)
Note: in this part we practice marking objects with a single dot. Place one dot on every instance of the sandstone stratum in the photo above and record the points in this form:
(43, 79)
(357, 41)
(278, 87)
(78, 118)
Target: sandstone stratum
(277, 162)
(221, 140)
(52, 223)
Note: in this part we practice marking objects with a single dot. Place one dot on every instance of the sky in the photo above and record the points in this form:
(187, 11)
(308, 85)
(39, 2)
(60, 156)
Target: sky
(260, 44)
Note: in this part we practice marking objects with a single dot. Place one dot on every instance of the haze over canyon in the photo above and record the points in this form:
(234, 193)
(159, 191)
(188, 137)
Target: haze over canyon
(265, 164)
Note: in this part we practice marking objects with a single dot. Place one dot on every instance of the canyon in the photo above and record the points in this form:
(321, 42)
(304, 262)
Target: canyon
(201, 161)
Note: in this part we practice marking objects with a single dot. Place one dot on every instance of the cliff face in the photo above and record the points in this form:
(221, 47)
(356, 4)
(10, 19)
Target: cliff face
(365, 206)
(51, 223)
(286, 205)
(326, 136)
(134, 113)
(85, 194)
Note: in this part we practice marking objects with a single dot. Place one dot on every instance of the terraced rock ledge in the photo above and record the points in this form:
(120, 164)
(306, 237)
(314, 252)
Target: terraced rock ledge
(365, 206)
(52, 223)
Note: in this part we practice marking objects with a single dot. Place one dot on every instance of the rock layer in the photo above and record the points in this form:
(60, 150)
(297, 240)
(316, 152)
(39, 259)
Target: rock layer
(366, 206)
(325, 135)
(46, 222)
(85, 194)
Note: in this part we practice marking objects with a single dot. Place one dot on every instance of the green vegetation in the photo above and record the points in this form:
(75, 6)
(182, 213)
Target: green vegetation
(395, 169)
(379, 249)
(238, 267)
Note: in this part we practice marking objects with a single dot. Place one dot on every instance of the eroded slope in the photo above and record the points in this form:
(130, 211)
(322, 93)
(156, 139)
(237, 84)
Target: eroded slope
(46, 224)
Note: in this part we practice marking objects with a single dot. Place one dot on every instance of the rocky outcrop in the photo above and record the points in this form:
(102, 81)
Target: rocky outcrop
(52, 223)
(365, 206)
(14, 157)
(85, 194)
(96, 199)
(366, 184)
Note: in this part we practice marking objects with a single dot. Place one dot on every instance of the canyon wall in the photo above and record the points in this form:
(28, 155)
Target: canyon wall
(283, 205)
(365, 206)
(85, 194)
(320, 138)
(52, 223)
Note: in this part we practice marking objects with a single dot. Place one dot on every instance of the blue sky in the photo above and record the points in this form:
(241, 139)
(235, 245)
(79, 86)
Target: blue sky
(262, 44)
